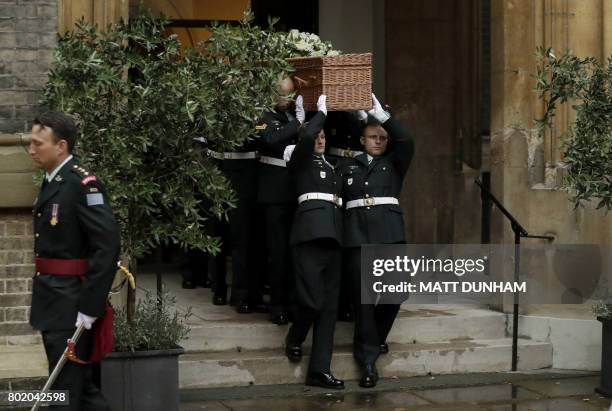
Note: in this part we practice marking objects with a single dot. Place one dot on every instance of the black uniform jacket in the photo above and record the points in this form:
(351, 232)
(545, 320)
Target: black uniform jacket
(314, 219)
(242, 173)
(279, 131)
(84, 228)
(383, 177)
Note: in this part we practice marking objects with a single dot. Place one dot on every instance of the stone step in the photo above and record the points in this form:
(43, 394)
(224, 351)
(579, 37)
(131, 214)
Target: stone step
(23, 361)
(413, 325)
(265, 367)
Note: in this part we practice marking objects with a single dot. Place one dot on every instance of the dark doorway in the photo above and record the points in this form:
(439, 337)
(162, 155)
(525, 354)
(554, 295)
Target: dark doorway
(302, 15)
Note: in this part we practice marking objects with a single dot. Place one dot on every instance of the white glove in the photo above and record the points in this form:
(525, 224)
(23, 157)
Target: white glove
(300, 114)
(361, 115)
(288, 152)
(378, 112)
(321, 104)
(84, 319)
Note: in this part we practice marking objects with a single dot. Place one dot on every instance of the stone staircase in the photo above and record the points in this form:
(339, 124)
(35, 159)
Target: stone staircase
(227, 349)
(241, 350)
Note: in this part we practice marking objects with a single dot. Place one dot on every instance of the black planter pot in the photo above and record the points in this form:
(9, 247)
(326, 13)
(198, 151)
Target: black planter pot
(605, 387)
(141, 380)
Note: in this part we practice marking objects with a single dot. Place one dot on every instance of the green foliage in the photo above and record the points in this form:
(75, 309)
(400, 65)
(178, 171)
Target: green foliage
(139, 101)
(602, 309)
(588, 145)
(244, 64)
(154, 327)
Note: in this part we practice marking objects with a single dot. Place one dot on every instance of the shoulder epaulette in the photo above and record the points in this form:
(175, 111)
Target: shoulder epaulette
(86, 176)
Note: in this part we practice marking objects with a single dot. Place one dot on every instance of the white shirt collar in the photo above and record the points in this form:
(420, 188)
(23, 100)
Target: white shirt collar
(370, 158)
(50, 177)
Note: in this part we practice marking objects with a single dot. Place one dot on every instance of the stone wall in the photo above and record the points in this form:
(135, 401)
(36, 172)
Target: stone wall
(16, 270)
(28, 34)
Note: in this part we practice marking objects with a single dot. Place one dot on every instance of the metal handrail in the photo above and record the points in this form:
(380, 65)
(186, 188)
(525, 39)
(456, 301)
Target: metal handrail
(519, 232)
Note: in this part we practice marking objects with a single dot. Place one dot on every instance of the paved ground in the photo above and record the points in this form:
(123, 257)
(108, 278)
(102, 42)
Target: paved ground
(534, 391)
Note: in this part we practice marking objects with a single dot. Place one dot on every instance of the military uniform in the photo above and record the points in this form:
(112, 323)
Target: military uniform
(77, 248)
(276, 196)
(316, 238)
(342, 133)
(371, 190)
(240, 167)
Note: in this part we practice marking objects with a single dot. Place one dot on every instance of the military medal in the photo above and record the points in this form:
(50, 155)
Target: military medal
(54, 214)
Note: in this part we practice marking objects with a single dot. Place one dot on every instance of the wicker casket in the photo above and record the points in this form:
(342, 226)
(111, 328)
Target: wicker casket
(345, 79)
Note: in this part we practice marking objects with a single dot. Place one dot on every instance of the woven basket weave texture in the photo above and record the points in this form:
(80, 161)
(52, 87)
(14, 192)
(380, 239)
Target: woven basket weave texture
(345, 79)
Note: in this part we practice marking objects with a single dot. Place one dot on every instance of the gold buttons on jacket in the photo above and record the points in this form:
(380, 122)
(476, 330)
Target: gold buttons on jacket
(37, 235)
(366, 183)
(38, 215)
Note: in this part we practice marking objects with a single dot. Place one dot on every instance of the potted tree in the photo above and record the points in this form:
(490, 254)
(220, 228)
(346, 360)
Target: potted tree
(142, 373)
(587, 83)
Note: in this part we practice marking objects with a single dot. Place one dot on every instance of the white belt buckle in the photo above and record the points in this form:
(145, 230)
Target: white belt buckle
(336, 200)
(368, 201)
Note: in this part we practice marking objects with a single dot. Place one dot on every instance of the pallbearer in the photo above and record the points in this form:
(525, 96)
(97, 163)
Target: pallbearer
(316, 238)
(372, 182)
(276, 197)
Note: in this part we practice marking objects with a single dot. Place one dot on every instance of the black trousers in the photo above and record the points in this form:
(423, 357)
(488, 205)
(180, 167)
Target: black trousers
(277, 218)
(373, 322)
(317, 279)
(246, 264)
(76, 378)
(345, 302)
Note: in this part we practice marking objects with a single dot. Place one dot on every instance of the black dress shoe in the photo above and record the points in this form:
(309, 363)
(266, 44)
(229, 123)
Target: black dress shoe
(320, 379)
(243, 308)
(219, 299)
(346, 316)
(369, 376)
(188, 285)
(384, 348)
(279, 318)
(293, 352)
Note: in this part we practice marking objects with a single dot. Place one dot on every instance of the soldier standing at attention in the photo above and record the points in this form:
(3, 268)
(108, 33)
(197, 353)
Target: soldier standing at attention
(275, 194)
(316, 238)
(372, 182)
(77, 248)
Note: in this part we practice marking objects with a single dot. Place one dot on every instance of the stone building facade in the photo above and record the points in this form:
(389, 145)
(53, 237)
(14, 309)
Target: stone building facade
(28, 35)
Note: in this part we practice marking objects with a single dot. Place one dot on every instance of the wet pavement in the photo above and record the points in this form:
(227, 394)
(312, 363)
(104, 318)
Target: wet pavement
(533, 391)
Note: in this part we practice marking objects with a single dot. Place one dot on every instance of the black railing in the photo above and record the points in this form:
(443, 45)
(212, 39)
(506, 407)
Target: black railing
(519, 232)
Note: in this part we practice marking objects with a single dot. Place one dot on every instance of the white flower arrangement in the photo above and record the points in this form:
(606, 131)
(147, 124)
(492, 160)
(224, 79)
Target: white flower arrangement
(309, 45)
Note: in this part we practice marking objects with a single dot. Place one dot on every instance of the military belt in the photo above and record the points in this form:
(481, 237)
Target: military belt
(273, 161)
(332, 198)
(61, 266)
(371, 201)
(249, 155)
(340, 152)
